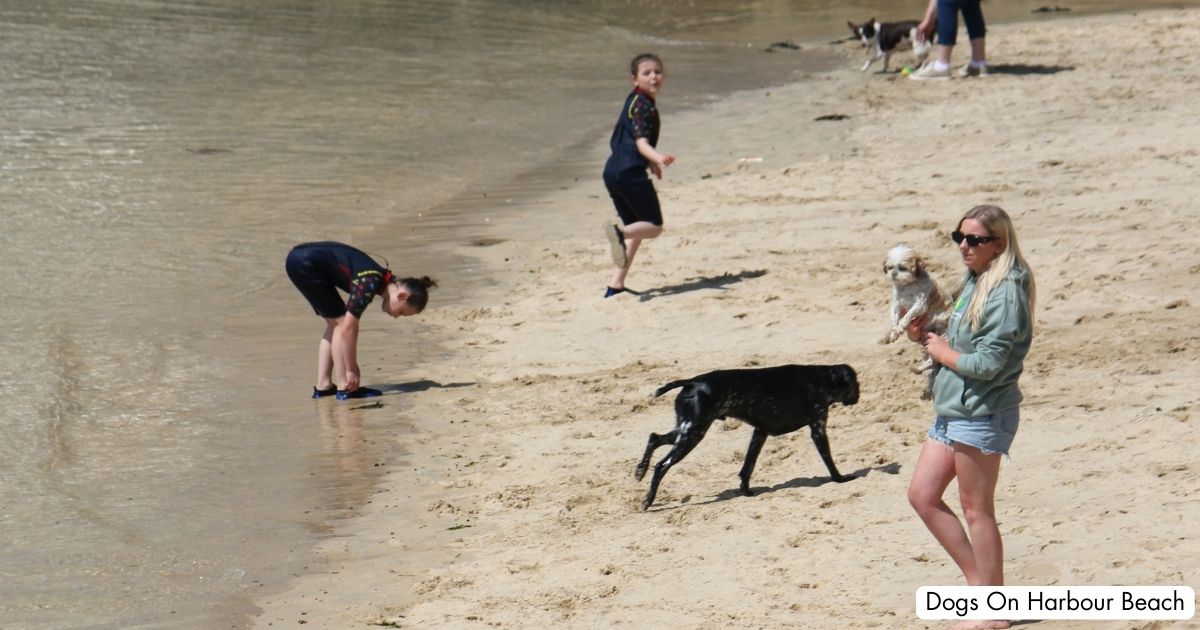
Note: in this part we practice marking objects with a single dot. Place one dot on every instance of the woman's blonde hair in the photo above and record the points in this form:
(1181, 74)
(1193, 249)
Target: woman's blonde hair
(998, 223)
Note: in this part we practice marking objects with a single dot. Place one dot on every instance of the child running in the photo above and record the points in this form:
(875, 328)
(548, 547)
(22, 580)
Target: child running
(634, 141)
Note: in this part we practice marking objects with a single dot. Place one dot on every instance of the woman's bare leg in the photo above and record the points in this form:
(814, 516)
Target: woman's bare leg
(935, 469)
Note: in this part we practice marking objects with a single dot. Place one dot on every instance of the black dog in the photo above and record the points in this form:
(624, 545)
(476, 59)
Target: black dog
(773, 400)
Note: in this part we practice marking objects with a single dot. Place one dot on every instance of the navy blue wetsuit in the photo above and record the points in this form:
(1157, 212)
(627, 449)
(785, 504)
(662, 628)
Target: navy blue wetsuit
(625, 175)
(319, 269)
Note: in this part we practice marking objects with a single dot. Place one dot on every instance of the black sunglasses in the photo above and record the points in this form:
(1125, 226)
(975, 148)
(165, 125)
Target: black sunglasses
(971, 239)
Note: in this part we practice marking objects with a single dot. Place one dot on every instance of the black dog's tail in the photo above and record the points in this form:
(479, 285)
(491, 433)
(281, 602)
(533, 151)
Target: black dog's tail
(669, 386)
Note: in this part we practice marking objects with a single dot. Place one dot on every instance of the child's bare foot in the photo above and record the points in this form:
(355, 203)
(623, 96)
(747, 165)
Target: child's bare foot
(981, 624)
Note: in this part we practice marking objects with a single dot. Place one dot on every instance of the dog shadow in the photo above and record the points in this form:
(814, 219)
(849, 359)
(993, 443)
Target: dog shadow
(814, 482)
(1022, 69)
(700, 283)
(417, 386)
(799, 482)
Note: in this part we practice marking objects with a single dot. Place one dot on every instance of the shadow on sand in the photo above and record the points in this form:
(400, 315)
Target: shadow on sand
(1024, 69)
(699, 283)
(799, 482)
(416, 386)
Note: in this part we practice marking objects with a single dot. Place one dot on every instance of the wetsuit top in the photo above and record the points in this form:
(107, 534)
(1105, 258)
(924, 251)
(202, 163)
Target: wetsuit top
(638, 119)
(350, 270)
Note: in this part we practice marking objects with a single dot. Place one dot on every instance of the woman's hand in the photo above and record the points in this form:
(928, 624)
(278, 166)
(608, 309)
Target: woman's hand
(939, 350)
(928, 22)
(915, 328)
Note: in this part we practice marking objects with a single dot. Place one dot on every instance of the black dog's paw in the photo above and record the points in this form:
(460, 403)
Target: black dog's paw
(747, 492)
(639, 472)
(646, 505)
(844, 478)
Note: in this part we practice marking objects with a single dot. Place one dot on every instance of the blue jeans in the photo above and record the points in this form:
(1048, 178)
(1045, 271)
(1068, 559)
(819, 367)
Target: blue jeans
(947, 17)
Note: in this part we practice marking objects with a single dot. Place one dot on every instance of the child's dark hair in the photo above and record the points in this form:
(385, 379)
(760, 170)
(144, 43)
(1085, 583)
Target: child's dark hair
(418, 290)
(637, 61)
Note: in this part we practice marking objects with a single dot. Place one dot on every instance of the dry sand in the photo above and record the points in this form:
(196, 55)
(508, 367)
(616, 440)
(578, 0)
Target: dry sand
(517, 507)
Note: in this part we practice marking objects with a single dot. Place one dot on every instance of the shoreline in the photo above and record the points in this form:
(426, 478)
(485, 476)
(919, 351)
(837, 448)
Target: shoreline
(518, 421)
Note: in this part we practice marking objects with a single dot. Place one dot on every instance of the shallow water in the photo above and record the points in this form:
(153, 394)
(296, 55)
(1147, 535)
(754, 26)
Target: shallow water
(160, 464)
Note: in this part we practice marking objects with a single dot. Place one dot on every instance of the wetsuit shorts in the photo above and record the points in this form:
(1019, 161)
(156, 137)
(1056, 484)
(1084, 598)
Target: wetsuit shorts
(314, 285)
(635, 199)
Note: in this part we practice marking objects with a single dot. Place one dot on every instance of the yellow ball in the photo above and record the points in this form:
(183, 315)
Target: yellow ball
(906, 71)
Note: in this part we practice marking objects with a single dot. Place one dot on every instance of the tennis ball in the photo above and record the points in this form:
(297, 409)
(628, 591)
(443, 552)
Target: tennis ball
(906, 71)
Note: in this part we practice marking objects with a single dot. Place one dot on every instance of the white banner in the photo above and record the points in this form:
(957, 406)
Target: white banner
(1056, 602)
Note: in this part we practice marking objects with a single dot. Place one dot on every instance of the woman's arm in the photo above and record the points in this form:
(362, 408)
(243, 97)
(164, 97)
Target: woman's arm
(925, 28)
(1004, 323)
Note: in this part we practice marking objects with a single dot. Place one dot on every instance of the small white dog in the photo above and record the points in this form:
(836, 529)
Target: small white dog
(914, 293)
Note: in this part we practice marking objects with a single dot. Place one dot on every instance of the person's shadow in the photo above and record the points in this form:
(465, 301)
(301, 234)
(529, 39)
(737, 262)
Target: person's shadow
(700, 283)
(1021, 69)
(416, 386)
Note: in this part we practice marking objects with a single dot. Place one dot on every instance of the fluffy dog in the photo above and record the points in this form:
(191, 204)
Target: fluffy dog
(914, 293)
(774, 400)
(882, 39)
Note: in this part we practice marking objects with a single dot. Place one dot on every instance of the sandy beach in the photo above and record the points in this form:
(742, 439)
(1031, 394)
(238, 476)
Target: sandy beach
(516, 505)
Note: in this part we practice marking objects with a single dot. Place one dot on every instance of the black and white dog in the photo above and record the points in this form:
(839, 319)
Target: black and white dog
(774, 400)
(882, 39)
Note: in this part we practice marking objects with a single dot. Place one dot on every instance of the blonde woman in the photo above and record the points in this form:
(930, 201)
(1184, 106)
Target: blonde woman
(975, 396)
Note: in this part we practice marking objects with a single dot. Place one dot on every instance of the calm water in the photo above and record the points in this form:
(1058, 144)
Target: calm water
(160, 464)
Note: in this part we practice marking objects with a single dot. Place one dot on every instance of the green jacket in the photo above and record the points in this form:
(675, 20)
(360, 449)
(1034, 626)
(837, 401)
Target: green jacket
(991, 358)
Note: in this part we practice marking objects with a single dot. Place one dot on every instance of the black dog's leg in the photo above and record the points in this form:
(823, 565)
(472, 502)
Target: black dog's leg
(822, 442)
(655, 441)
(687, 441)
(756, 443)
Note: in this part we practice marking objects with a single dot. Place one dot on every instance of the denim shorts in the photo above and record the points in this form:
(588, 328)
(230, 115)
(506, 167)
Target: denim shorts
(990, 434)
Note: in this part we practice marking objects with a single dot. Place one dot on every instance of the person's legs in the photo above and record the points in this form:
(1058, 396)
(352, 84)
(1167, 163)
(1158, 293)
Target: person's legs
(619, 273)
(637, 204)
(976, 30)
(642, 230)
(935, 469)
(979, 51)
(947, 29)
(977, 476)
(325, 357)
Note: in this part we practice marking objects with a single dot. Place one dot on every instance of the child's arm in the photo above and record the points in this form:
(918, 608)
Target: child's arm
(658, 161)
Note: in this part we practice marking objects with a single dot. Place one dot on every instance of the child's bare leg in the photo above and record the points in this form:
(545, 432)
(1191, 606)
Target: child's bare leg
(325, 357)
(619, 273)
(634, 234)
(642, 230)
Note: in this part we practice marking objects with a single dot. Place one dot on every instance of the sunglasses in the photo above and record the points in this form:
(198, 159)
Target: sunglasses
(971, 239)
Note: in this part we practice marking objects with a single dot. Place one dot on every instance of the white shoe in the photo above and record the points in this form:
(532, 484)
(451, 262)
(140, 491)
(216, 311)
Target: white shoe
(927, 72)
(973, 71)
